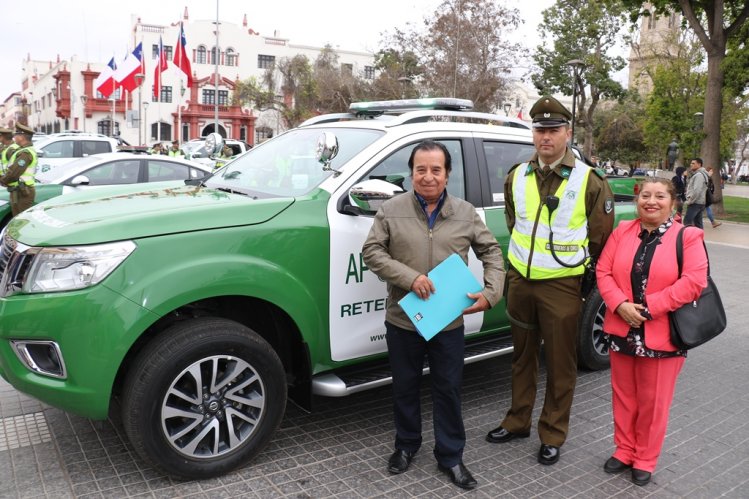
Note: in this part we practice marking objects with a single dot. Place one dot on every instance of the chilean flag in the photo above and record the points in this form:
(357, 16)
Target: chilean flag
(131, 66)
(105, 82)
(160, 67)
(180, 55)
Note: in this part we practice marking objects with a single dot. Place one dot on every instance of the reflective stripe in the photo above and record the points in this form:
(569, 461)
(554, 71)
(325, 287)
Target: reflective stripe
(530, 252)
(27, 177)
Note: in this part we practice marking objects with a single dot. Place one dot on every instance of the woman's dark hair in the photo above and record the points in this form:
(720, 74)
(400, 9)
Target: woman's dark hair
(430, 145)
(680, 171)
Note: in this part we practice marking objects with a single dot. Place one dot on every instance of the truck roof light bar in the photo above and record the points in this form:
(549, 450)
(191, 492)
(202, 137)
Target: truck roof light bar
(386, 106)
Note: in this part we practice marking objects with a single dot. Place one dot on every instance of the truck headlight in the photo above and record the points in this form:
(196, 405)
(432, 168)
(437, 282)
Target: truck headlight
(74, 267)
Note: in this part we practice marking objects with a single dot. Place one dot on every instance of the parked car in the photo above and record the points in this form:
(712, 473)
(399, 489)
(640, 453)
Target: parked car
(196, 150)
(107, 169)
(60, 148)
(201, 307)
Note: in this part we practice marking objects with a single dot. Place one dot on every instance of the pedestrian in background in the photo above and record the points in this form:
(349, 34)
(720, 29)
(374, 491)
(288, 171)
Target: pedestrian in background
(680, 187)
(552, 196)
(696, 193)
(638, 278)
(711, 188)
(411, 234)
(19, 176)
(7, 147)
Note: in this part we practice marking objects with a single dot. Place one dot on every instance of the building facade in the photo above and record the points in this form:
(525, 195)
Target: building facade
(60, 95)
(658, 40)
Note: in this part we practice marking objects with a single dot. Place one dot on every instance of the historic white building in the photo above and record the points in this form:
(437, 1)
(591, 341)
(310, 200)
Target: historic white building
(60, 95)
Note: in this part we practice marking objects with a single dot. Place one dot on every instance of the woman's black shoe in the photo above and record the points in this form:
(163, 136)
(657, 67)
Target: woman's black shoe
(613, 465)
(640, 477)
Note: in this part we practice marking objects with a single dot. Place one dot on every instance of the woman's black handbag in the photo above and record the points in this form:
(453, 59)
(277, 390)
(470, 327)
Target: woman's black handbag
(701, 320)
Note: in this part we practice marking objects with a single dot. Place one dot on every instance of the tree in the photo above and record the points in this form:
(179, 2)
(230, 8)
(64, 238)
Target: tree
(397, 75)
(715, 22)
(619, 133)
(585, 30)
(465, 47)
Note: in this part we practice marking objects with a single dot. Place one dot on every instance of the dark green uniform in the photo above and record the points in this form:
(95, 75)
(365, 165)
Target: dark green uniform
(19, 176)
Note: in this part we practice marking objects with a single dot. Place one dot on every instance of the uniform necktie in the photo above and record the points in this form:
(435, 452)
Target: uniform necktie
(546, 169)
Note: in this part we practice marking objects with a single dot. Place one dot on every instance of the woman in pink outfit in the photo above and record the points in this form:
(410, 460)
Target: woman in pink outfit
(639, 281)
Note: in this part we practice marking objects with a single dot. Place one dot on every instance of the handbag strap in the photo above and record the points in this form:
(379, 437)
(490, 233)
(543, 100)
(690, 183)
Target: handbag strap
(680, 251)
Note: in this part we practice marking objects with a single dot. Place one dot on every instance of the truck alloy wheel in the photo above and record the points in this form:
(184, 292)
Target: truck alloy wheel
(203, 398)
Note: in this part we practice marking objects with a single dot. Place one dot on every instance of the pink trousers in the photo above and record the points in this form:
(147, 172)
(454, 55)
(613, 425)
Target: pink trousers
(643, 389)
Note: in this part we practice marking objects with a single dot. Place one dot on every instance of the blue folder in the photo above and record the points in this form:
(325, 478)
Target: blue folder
(453, 280)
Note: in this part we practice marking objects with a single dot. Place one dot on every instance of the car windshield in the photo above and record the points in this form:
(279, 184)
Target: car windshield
(195, 149)
(286, 165)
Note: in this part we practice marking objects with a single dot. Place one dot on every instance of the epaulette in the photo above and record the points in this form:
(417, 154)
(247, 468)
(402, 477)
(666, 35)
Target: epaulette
(600, 172)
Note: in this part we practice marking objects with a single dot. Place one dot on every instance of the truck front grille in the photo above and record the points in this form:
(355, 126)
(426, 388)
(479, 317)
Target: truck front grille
(14, 264)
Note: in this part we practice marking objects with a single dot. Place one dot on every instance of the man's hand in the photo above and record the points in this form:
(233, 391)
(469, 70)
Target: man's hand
(423, 287)
(481, 304)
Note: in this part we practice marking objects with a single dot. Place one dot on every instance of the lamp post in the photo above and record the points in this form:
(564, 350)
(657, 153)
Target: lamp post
(84, 99)
(507, 106)
(577, 66)
(139, 77)
(179, 112)
(145, 120)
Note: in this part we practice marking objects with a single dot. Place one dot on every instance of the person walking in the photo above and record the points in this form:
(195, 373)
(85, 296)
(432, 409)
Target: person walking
(19, 176)
(411, 234)
(559, 212)
(638, 278)
(709, 208)
(696, 193)
(680, 187)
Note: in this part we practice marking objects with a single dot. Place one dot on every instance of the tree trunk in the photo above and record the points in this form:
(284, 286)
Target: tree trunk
(710, 150)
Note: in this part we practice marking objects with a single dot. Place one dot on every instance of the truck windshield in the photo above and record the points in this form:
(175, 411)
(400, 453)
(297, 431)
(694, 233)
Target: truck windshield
(286, 165)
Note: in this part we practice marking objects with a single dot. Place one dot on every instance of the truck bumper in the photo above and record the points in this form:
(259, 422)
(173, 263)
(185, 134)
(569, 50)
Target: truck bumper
(92, 329)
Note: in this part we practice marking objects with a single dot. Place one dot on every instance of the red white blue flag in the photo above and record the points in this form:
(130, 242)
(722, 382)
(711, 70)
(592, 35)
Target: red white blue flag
(161, 66)
(181, 60)
(131, 66)
(105, 83)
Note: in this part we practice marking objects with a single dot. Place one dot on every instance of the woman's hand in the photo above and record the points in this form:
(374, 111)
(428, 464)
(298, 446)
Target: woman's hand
(630, 312)
(423, 287)
(481, 304)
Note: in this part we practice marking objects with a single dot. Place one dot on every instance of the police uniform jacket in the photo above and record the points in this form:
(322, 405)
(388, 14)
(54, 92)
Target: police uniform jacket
(22, 160)
(400, 247)
(599, 200)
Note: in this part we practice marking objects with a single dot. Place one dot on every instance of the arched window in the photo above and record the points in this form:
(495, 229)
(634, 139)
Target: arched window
(104, 127)
(201, 54)
(231, 57)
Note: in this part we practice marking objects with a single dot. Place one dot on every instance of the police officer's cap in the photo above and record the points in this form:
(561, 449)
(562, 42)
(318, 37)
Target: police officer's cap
(548, 112)
(23, 130)
(5, 131)
(175, 142)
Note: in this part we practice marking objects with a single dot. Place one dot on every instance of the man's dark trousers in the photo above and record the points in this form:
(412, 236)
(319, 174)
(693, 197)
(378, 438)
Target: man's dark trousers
(694, 215)
(445, 353)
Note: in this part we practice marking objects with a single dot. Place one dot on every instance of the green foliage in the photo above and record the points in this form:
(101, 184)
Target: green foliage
(585, 30)
(618, 131)
(397, 72)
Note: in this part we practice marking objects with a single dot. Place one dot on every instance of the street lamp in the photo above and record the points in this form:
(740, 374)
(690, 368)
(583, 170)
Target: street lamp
(139, 77)
(84, 99)
(507, 106)
(145, 119)
(577, 67)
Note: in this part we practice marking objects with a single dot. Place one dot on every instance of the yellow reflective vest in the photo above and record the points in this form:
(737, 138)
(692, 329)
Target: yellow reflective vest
(27, 177)
(530, 250)
(6, 155)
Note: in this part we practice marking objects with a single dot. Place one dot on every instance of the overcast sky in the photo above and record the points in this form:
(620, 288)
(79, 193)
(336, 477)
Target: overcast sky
(94, 30)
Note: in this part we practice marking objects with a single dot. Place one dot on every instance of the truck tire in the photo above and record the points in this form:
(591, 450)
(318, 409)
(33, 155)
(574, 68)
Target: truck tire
(203, 398)
(592, 349)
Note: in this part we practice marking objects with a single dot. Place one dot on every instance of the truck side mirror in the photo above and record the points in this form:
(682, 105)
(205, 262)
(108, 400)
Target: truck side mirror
(366, 197)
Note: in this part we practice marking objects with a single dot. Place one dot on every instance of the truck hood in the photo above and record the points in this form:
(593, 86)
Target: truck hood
(132, 212)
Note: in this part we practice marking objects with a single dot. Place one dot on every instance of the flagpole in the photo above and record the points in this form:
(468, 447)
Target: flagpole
(216, 55)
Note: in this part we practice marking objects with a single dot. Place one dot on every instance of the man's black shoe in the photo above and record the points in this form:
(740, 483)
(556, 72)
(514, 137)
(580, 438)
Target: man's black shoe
(459, 475)
(399, 461)
(499, 435)
(640, 477)
(613, 465)
(548, 454)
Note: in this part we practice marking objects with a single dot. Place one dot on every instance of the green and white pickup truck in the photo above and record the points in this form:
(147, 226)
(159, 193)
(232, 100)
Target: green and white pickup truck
(198, 308)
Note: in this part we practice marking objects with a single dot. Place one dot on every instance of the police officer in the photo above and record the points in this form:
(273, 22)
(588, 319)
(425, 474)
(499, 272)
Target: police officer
(156, 149)
(559, 212)
(175, 151)
(19, 177)
(7, 147)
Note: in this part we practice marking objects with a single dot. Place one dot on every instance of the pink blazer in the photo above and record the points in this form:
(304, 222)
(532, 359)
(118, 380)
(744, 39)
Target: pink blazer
(665, 291)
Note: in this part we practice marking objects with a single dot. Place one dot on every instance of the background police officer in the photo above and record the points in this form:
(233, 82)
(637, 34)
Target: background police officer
(559, 212)
(175, 151)
(19, 177)
(7, 147)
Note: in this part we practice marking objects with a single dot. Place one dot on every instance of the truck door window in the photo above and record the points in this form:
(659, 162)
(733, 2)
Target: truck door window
(394, 168)
(159, 171)
(59, 149)
(500, 157)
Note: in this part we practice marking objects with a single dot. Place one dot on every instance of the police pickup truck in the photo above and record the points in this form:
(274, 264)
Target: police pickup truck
(199, 306)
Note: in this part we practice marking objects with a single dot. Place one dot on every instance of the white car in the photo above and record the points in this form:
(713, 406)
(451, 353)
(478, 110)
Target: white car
(60, 148)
